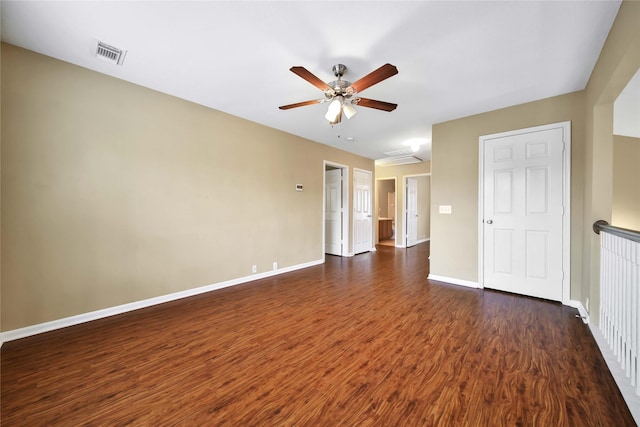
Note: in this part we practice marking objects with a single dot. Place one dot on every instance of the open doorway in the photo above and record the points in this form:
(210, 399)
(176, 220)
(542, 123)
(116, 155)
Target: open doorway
(386, 209)
(335, 203)
(416, 208)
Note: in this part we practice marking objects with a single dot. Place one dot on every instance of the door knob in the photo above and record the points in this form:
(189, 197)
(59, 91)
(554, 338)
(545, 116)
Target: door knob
(489, 221)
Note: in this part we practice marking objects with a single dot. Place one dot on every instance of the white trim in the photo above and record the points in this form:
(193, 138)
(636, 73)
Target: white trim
(466, 283)
(566, 200)
(584, 314)
(627, 391)
(417, 243)
(124, 308)
(413, 175)
(345, 205)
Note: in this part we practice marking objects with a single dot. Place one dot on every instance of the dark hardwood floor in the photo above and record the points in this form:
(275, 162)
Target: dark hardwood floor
(362, 341)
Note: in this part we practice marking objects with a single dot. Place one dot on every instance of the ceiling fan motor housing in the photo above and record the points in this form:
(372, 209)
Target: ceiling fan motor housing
(339, 87)
(339, 70)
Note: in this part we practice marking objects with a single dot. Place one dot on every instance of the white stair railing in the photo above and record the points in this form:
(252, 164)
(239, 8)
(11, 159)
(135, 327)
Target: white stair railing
(620, 296)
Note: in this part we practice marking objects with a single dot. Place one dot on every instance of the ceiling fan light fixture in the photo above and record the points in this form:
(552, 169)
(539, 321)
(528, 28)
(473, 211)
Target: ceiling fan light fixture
(334, 109)
(415, 144)
(348, 110)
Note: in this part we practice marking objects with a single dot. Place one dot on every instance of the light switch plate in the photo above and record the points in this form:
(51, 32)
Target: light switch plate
(444, 209)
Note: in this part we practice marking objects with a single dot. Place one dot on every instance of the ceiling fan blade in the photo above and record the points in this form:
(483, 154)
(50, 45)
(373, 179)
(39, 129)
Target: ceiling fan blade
(308, 76)
(378, 105)
(376, 76)
(300, 104)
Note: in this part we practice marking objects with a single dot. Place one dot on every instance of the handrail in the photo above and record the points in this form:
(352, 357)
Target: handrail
(602, 225)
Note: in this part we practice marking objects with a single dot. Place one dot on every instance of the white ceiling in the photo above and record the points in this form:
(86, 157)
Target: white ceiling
(454, 58)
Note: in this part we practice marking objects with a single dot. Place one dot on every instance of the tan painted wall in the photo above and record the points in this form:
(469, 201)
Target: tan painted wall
(454, 238)
(625, 211)
(618, 62)
(400, 172)
(113, 193)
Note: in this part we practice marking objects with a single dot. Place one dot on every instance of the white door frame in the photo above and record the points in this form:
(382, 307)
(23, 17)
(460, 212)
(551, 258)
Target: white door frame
(377, 205)
(371, 202)
(345, 205)
(566, 200)
(403, 243)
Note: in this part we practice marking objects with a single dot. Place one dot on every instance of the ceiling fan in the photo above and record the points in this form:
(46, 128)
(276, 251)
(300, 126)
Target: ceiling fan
(342, 94)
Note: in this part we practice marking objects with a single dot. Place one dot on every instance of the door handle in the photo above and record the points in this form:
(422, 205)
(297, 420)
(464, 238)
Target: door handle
(489, 221)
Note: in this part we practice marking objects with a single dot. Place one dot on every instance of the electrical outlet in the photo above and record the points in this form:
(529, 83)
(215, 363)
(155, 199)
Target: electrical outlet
(586, 305)
(254, 268)
(275, 265)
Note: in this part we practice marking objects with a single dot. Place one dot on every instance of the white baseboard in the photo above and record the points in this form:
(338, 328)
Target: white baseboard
(404, 246)
(624, 385)
(584, 315)
(124, 308)
(453, 281)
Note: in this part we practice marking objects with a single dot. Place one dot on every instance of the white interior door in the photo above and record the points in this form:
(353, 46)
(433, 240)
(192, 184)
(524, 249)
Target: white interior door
(412, 211)
(523, 213)
(333, 212)
(362, 229)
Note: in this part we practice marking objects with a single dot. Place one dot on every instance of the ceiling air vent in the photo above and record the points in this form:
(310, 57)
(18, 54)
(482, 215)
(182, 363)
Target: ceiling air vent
(399, 152)
(399, 160)
(110, 53)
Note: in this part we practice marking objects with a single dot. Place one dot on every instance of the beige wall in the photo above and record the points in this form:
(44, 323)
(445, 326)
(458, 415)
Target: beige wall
(625, 211)
(454, 238)
(113, 193)
(618, 62)
(385, 187)
(399, 173)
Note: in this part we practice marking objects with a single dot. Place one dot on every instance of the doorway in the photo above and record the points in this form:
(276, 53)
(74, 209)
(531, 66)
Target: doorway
(387, 202)
(524, 211)
(335, 202)
(416, 209)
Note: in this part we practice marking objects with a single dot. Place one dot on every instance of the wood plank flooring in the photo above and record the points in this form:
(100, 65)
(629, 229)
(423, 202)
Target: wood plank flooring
(362, 341)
